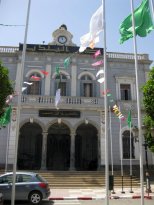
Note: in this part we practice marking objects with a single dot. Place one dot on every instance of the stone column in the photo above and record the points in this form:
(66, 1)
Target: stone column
(47, 80)
(12, 138)
(44, 150)
(73, 80)
(72, 151)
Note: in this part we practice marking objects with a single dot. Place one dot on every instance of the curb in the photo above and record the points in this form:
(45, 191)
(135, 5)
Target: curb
(99, 198)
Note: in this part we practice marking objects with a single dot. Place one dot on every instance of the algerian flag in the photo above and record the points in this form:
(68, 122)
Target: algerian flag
(57, 71)
(58, 96)
(96, 26)
(143, 22)
(67, 62)
(5, 119)
(129, 120)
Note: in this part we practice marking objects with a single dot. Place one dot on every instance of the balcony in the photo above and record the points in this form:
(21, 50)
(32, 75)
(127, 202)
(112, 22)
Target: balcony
(39, 101)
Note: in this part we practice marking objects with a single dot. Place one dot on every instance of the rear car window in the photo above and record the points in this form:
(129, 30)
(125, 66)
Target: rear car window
(41, 179)
(26, 178)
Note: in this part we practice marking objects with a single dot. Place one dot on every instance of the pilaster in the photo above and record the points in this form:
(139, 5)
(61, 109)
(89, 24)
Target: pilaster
(72, 151)
(47, 80)
(44, 150)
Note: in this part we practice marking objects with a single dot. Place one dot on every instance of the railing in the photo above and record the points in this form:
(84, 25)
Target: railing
(127, 56)
(73, 101)
(115, 55)
(8, 49)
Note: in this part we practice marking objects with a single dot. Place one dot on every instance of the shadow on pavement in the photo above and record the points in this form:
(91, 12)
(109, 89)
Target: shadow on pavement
(44, 202)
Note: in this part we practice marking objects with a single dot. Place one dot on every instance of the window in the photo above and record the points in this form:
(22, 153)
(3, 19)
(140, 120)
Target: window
(35, 88)
(87, 86)
(6, 179)
(125, 91)
(126, 145)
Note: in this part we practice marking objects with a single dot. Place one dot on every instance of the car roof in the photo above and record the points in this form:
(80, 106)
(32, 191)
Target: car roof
(20, 172)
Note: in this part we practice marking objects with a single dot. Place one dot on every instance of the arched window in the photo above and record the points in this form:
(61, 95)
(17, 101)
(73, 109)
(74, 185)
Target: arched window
(61, 82)
(86, 86)
(35, 88)
(126, 145)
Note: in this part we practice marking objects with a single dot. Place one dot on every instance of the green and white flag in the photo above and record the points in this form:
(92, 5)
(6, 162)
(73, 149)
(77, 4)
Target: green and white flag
(67, 62)
(6, 118)
(57, 71)
(129, 119)
(143, 22)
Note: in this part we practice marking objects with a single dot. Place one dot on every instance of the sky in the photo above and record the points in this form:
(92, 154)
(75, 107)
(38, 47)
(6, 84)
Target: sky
(47, 15)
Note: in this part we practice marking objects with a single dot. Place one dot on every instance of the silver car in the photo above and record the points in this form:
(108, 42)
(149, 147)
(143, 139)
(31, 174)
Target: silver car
(29, 186)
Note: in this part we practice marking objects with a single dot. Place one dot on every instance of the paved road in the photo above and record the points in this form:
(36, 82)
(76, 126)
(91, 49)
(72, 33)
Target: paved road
(90, 202)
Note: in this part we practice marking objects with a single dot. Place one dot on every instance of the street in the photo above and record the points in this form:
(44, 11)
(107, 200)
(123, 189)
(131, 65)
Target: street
(90, 202)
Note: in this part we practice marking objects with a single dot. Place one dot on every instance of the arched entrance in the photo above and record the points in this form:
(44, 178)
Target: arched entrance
(58, 147)
(30, 146)
(86, 147)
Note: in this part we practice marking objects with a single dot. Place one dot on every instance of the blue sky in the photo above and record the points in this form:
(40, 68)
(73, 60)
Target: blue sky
(47, 15)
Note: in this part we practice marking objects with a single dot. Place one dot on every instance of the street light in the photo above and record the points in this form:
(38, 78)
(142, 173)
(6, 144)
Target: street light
(135, 134)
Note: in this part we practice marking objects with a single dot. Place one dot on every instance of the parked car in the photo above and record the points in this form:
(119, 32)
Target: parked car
(1, 199)
(29, 186)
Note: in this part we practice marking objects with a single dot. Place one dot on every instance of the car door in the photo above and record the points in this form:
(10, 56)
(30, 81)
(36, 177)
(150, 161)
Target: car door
(6, 186)
(23, 186)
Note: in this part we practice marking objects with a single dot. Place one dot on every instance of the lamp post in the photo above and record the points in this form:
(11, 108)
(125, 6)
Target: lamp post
(135, 134)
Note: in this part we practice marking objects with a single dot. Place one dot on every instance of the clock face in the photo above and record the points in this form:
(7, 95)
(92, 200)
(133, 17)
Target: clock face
(62, 39)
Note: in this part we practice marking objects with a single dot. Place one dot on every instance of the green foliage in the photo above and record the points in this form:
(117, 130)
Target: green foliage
(5, 87)
(148, 95)
(149, 123)
(148, 101)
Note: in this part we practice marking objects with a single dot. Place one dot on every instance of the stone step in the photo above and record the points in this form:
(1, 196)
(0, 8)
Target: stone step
(84, 179)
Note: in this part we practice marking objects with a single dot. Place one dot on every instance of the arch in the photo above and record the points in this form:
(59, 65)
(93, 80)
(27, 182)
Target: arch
(86, 147)
(34, 121)
(58, 147)
(30, 146)
(126, 142)
(30, 72)
(86, 73)
(67, 123)
(89, 122)
(62, 72)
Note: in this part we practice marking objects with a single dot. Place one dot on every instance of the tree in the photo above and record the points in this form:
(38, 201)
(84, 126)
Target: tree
(5, 88)
(148, 101)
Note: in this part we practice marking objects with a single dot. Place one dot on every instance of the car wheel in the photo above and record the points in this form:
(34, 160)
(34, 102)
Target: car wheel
(35, 197)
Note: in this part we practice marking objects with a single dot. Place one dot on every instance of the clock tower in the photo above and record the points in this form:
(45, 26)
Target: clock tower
(62, 37)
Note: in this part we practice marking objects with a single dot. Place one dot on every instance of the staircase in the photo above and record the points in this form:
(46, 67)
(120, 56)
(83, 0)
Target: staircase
(84, 179)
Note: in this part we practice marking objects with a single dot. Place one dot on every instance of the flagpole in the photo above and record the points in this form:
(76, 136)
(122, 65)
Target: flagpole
(19, 105)
(113, 192)
(138, 106)
(152, 6)
(7, 145)
(106, 111)
(121, 153)
(130, 125)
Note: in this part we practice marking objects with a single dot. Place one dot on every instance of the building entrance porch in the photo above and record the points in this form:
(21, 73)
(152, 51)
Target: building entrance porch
(58, 149)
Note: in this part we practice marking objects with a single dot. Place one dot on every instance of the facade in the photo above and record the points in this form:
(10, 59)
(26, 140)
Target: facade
(70, 137)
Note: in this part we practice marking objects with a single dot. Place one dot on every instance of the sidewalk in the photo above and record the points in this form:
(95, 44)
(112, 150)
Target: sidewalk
(95, 194)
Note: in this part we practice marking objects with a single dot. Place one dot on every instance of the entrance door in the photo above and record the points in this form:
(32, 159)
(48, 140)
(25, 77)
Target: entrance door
(58, 148)
(30, 146)
(86, 148)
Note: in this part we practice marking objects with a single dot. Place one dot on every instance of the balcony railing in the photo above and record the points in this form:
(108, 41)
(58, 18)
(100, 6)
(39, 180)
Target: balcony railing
(8, 49)
(114, 55)
(46, 101)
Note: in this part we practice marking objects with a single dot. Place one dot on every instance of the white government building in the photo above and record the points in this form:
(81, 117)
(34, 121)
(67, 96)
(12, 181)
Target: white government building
(71, 137)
